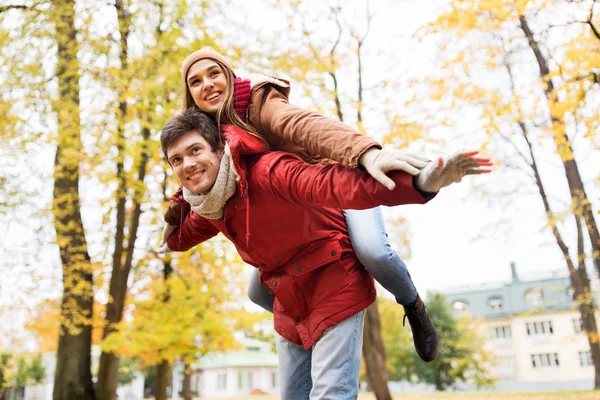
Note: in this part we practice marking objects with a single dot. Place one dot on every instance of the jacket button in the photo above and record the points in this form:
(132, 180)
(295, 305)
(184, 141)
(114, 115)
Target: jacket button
(299, 269)
(263, 265)
(274, 283)
(233, 234)
(333, 253)
(297, 319)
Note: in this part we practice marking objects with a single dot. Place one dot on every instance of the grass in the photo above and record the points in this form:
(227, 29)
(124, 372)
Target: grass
(571, 395)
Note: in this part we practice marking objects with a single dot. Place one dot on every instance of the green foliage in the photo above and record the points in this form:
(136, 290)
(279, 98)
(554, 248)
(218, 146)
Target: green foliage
(19, 370)
(461, 356)
(127, 370)
(397, 340)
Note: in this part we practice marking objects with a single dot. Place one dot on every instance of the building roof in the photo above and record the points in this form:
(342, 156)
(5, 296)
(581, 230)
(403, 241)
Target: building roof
(519, 296)
(238, 358)
(256, 353)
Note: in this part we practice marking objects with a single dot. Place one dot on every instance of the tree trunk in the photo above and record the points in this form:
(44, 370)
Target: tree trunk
(187, 382)
(164, 368)
(162, 380)
(580, 200)
(581, 209)
(578, 276)
(374, 354)
(73, 378)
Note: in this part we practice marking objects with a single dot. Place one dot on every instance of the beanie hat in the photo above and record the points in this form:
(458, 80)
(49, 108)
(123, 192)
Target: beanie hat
(205, 52)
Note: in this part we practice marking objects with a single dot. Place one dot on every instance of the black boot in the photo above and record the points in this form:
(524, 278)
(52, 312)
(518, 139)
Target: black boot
(424, 336)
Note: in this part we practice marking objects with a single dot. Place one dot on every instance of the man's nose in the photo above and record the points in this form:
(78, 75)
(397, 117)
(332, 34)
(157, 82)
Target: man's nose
(188, 162)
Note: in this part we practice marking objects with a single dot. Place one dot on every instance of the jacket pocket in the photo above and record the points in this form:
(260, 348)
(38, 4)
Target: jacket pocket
(319, 272)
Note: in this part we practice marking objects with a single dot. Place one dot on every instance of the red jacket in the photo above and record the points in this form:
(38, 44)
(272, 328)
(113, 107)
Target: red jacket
(285, 219)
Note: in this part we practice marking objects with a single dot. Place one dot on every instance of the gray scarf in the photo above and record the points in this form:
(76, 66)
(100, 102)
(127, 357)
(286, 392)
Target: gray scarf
(212, 204)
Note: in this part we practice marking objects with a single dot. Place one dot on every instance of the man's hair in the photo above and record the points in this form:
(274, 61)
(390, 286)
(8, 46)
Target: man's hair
(190, 120)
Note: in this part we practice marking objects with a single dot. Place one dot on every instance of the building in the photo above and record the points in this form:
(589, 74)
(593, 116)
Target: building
(131, 391)
(254, 369)
(534, 329)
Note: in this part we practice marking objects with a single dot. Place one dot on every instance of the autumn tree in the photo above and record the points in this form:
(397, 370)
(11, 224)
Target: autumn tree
(52, 24)
(527, 71)
(183, 316)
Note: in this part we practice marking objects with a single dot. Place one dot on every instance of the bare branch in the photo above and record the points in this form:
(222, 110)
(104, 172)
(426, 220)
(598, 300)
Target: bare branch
(9, 7)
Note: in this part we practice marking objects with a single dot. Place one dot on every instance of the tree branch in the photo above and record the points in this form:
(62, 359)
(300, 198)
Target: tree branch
(6, 8)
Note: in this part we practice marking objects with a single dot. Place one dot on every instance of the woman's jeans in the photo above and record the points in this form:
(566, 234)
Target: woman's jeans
(372, 247)
(328, 370)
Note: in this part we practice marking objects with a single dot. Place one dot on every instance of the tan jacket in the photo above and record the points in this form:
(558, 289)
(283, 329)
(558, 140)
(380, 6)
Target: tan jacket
(310, 135)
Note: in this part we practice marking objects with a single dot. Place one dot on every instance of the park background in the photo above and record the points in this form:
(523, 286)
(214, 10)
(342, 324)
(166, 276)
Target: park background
(86, 86)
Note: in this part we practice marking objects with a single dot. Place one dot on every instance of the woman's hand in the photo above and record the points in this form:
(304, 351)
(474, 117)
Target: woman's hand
(378, 162)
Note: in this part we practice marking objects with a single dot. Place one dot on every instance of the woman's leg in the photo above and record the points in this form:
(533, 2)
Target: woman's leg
(372, 247)
(259, 294)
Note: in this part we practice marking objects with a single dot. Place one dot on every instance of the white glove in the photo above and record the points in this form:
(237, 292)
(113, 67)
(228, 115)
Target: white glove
(378, 162)
(164, 249)
(450, 169)
(167, 230)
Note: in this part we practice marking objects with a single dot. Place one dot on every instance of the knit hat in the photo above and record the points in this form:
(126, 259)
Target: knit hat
(205, 52)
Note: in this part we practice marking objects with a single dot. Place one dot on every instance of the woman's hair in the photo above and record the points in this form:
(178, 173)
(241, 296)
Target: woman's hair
(226, 113)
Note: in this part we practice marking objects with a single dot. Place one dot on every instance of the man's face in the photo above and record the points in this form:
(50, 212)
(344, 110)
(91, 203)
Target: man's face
(194, 163)
(207, 83)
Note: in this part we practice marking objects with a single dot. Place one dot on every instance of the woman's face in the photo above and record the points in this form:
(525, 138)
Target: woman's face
(207, 83)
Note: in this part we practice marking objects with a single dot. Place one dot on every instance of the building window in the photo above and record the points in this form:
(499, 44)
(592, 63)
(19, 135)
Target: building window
(544, 360)
(222, 382)
(539, 328)
(460, 306)
(274, 379)
(585, 358)
(250, 379)
(240, 380)
(495, 304)
(578, 325)
(534, 297)
(500, 332)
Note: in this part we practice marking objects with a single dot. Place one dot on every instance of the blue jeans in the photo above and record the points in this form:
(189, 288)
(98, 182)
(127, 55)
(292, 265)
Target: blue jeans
(373, 250)
(328, 370)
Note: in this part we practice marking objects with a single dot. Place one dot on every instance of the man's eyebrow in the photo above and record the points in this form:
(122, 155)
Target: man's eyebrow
(198, 143)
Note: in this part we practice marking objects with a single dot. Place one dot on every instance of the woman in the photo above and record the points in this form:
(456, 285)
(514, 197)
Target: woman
(260, 106)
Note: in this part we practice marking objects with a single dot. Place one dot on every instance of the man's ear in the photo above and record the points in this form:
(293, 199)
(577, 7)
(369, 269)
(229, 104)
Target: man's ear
(221, 150)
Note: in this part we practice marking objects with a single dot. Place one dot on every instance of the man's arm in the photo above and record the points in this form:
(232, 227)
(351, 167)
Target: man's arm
(193, 231)
(335, 186)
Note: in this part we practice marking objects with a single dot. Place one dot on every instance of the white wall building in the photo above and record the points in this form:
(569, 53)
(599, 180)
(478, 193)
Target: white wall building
(251, 370)
(534, 329)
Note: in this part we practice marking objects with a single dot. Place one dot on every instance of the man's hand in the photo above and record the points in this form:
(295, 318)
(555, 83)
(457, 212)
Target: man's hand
(444, 172)
(167, 230)
(378, 162)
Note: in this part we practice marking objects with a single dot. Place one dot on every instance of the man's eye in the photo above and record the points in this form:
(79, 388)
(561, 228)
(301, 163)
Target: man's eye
(196, 150)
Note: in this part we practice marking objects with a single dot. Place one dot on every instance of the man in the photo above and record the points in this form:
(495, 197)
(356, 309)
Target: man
(284, 217)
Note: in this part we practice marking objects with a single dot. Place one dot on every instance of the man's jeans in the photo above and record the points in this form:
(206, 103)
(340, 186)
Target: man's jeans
(329, 370)
(372, 247)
